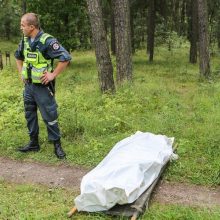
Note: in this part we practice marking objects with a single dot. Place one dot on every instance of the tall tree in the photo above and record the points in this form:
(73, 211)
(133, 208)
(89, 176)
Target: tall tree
(24, 6)
(132, 29)
(213, 14)
(218, 29)
(123, 40)
(138, 17)
(103, 60)
(151, 29)
(9, 23)
(113, 49)
(182, 27)
(204, 58)
(175, 9)
(193, 30)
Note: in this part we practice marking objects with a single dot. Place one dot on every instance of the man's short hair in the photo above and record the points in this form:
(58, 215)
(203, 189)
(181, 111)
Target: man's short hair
(32, 19)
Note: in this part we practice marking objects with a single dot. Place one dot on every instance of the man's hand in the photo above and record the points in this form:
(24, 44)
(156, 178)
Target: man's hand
(47, 77)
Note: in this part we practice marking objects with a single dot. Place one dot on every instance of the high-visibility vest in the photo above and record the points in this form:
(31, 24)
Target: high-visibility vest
(34, 62)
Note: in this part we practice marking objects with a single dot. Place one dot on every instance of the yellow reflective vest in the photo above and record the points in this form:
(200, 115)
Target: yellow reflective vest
(35, 64)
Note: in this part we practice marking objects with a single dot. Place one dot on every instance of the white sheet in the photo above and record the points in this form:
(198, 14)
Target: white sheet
(125, 173)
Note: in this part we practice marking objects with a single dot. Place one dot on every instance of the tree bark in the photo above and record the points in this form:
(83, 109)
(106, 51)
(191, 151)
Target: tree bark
(182, 28)
(1, 61)
(176, 15)
(113, 49)
(151, 29)
(218, 29)
(204, 57)
(123, 40)
(24, 6)
(193, 31)
(103, 59)
(132, 29)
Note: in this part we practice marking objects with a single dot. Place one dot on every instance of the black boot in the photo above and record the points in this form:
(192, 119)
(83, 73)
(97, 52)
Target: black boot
(33, 145)
(58, 150)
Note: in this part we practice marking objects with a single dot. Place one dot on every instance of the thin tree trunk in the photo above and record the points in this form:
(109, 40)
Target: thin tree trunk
(151, 29)
(123, 40)
(103, 60)
(182, 29)
(176, 15)
(132, 30)
(204, 57)
(113, 49)
(218, 30)
(24, 6)
(1, 61)
(193, 31)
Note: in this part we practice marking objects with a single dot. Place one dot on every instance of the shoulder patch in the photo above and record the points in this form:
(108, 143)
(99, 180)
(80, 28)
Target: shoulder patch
(55, 45)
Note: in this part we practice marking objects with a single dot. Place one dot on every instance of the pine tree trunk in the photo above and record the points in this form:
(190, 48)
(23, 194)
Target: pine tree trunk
(123, 40)
(151, 29)
(132, 30)
(204, 57)
(24, 6)
(218, 30)
(1, 61)
(103, 59)
(113, 49)
(182, 28)
(176, 16)
(193, 38)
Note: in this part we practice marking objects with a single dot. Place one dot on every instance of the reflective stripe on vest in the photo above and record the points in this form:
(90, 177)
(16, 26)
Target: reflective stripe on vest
(35, 61)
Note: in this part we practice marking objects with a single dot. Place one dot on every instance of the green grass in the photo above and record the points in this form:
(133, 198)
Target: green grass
(166, 97)
(29, 202)
(177, 212)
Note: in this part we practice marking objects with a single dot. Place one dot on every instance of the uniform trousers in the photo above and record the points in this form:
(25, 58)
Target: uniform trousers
(38, 96)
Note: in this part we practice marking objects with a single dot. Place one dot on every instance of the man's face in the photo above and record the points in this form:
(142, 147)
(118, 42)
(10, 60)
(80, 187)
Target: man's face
(26, 28)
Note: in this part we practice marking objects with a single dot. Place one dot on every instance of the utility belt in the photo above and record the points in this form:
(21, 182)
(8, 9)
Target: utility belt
(50, 86)
(29, 81)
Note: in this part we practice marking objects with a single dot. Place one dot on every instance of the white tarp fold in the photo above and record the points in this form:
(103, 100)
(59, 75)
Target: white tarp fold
(125, 173)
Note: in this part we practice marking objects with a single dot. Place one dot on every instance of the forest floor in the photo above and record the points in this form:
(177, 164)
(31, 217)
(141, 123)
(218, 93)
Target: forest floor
(69, 177)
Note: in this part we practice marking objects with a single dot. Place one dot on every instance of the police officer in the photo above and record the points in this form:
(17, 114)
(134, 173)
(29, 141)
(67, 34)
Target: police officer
(34, 58)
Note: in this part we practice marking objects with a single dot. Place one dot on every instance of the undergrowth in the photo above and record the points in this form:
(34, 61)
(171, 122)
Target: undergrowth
(165, 97)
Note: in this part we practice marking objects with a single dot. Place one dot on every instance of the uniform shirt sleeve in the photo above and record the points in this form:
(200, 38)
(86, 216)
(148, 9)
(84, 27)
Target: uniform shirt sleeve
(19, 53)
(56, 51)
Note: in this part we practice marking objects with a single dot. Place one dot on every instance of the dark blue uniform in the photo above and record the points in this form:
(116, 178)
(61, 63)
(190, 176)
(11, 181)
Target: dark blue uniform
(39, 95)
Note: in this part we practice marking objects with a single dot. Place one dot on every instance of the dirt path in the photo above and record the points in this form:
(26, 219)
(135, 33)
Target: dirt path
(70, 177)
